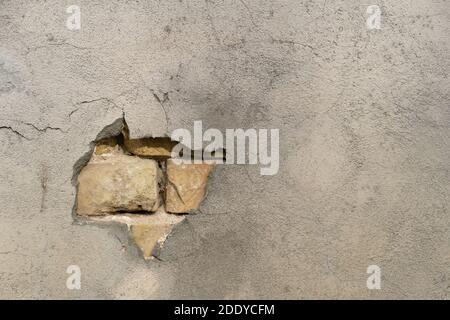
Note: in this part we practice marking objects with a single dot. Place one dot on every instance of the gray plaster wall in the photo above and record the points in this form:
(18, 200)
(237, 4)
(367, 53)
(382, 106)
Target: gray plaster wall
(364, 145)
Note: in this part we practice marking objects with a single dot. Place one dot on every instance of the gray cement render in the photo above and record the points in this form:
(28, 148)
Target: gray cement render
(364, 151)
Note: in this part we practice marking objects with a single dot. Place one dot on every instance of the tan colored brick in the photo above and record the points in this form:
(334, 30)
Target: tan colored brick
(108, 145)
(118, 183)
(186, 186)
(149, 147)
(147, 236)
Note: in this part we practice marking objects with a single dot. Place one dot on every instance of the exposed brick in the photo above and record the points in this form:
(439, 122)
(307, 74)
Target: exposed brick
(149, 147)
(186, 186)
(108, 145)
(118, 183)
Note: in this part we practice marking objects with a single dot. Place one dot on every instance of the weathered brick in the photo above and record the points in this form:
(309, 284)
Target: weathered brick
(149, 147)
(186, 186)
(118, 183)
(107, 145)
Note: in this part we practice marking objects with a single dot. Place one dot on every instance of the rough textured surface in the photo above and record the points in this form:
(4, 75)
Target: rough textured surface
(147, 237)
(150, 147)
(107, 145)
(363, 117)
(118, 183)
(149, 231)
(185, 186)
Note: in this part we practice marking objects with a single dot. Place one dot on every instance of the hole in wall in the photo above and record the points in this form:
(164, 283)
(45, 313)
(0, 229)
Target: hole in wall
(136, 182)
